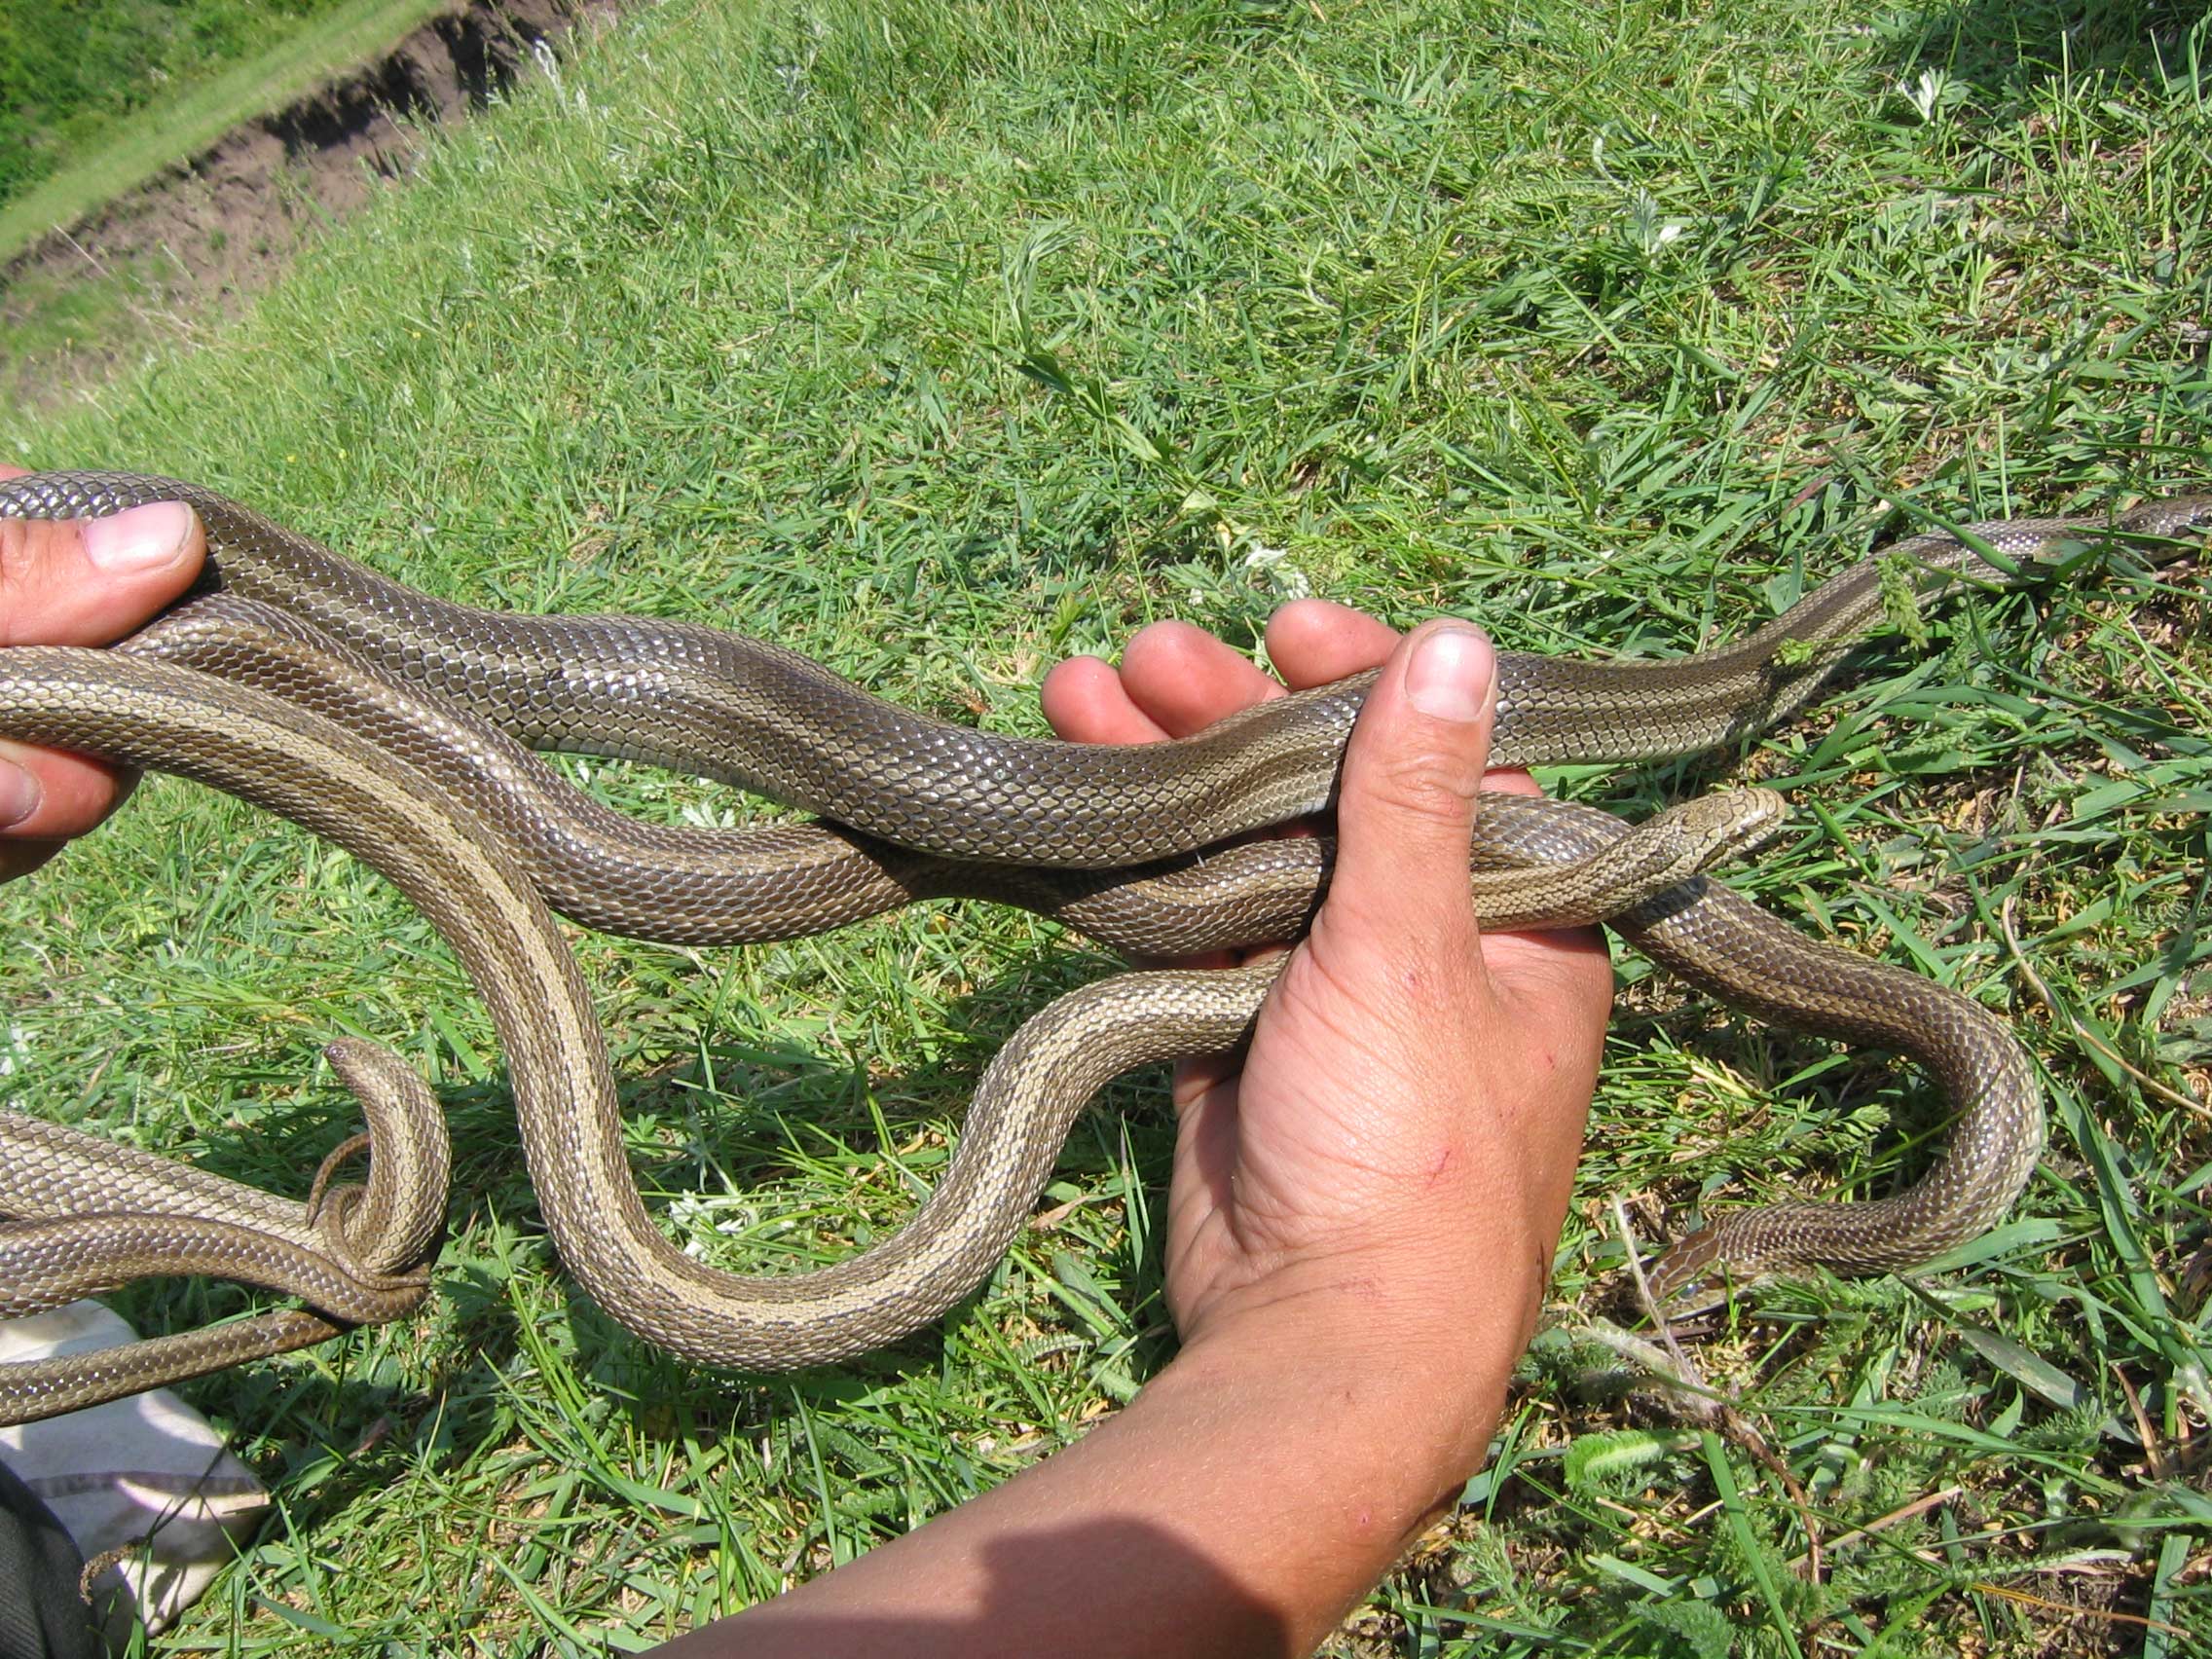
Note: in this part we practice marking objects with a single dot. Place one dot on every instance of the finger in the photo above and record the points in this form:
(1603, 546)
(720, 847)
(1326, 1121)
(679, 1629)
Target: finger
(1200, 1075)
(1185, 679)
(82, 582)
(90, 581)
(48, 794)
(1085, 702)
(1411, 771)
(1313, 641)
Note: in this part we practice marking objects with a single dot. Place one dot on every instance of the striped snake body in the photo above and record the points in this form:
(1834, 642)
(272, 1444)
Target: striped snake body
(388, 722)
(474, 889)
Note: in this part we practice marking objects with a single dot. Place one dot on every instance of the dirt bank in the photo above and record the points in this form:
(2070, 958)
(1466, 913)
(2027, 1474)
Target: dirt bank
(201, 237)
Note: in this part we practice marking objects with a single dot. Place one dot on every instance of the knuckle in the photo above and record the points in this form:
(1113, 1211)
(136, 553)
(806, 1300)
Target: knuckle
(1425, 786)
(22, 581)
(1366, 963)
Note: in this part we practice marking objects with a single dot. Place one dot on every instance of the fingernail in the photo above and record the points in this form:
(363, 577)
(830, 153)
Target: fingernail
(19, 795)
(1449, 676)
(142, 538)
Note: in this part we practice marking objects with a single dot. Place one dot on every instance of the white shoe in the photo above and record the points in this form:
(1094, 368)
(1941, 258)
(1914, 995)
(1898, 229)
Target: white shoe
(146, 1477)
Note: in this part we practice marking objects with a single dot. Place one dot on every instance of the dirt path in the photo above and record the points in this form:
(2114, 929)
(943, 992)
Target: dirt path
(203, 236)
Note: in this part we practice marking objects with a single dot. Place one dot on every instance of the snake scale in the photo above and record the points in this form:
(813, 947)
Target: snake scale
(391, 723)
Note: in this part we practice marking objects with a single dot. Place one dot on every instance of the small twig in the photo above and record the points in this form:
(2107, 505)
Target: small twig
(2088, 1038)
(1736, 1426)
(1917, 1507)
(1715, 1408)
(1703, 1405)
(1821, 481)
(2072, 1611)
(1683, 1369)
(2154, 1444)
(1691, 1394)
(82, 252)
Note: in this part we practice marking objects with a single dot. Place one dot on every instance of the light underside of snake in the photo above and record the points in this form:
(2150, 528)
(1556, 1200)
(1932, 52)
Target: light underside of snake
(476, 846)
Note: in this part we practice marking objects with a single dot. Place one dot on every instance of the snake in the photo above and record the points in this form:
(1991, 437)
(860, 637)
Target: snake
(920, 803)
(91, 1215)
(473, 890)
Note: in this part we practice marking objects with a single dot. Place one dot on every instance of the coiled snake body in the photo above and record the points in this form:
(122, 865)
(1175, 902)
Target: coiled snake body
(389, 721)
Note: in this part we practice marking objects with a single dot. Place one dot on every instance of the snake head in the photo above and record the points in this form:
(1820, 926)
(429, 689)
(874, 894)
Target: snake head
(1693, 1277)
(2172, 521)
(1714, 828)
(1757, 815)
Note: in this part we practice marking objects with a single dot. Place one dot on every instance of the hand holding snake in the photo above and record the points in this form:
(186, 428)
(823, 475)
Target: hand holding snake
(1413, 1096)
(82, 582)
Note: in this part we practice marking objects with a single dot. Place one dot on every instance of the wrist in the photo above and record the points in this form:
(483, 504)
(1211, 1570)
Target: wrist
(1417, 1365)
(1454, 1298)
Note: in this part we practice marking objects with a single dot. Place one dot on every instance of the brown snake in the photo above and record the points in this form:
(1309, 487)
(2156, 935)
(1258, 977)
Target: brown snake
(475, 848)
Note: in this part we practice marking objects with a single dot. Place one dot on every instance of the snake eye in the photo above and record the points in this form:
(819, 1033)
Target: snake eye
(1692, 1277)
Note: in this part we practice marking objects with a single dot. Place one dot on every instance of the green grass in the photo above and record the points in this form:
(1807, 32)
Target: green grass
(941, 341)
(70, 70)
(280, 60)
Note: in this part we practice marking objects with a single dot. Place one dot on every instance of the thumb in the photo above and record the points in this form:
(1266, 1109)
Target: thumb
(81, 582)
(88, 581)
(1406, 805)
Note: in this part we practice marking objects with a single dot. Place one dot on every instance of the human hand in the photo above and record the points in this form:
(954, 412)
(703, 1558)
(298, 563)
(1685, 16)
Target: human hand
(87, 582)
(1399, 1140)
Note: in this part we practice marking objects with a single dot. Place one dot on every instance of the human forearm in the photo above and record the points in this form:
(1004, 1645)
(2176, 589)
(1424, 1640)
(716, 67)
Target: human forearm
(1254, 1492)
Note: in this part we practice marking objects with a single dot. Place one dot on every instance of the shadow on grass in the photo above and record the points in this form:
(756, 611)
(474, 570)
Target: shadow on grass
(769, 1112)
(2005, 47)
(736, 1117)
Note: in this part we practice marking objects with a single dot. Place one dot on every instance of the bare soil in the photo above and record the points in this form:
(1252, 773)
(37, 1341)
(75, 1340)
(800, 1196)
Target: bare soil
(196, 240)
